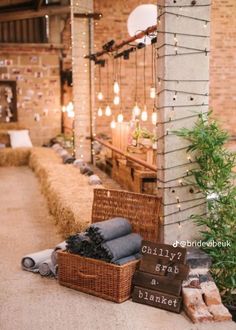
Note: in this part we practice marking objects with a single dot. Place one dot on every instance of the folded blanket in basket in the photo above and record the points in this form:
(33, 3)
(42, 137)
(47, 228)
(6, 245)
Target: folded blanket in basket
(81, 244)
(121, 247)
(125, 260)
(60, 246)
(32, 261)
(47, 268)
(109, 229)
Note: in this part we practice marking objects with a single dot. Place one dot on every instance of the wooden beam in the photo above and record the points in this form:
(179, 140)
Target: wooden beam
(30, 45)
(47, 10)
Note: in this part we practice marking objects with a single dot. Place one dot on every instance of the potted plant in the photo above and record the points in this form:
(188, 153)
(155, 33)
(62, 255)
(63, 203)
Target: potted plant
(214, 178)
(146, 137)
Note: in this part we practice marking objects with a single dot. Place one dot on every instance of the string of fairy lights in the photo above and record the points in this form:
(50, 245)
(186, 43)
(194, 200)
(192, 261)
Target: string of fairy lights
(114, 104)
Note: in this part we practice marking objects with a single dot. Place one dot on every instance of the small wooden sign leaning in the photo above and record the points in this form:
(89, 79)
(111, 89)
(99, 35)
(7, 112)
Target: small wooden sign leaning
(159, 278)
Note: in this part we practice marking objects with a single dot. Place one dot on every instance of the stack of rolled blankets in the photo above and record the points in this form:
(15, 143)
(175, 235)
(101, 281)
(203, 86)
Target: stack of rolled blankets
(111, 241)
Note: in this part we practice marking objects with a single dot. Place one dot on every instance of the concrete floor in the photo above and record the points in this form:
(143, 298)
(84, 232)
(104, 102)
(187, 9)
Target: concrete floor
(30, 302)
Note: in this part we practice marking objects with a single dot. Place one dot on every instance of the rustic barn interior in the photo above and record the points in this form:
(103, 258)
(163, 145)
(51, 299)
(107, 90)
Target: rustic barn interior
(117, 110)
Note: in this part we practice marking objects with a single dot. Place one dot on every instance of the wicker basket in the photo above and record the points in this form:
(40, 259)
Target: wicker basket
(100, 278)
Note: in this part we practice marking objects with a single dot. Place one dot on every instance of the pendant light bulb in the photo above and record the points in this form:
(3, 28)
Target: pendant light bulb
(116, 100)
(120, 118)
(63, 108)
(152, 92)
(113, 124)
(100, 96)
(108, 111)
(100, 112)
(116, 87)
(154, 118)
(144, 115)
(136, 110)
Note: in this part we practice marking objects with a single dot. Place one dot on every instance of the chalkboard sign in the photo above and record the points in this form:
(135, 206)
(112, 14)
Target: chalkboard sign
(159, 278)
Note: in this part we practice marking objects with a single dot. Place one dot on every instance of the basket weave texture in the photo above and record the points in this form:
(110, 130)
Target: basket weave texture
(100, 278)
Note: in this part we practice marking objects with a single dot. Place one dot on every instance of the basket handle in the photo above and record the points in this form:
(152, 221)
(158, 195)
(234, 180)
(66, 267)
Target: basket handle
(87, 276)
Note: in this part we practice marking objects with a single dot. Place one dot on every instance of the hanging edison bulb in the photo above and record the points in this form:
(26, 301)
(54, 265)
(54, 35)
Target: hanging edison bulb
(108, 111)
(100, 96)
(116, 87)
(113, 124)
(144, 114)
(63, 108)
(154, 117)
(152, 92)
(136, 110)
(120, 118)
(100, 112)
(116, 100)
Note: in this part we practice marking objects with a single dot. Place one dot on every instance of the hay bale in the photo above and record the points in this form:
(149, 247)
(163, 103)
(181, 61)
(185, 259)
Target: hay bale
(14, 157)
(67, 191)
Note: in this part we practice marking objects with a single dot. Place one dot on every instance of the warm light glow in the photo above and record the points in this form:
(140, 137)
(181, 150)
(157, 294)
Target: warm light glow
(144, 115)
(108, 111)
(100, 112)
(152, 92)
(154, 118)
(116, 100)
(113, 124)
(116, 87)
(100, 96)
(136, 110)
(70, 107)
(70, 114)
(120, 118)
(63, 108)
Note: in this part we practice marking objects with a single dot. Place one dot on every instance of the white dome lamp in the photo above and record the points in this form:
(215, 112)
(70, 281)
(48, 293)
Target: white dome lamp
(140, 19)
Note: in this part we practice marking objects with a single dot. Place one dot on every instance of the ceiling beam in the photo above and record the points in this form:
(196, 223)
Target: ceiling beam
(32, 13)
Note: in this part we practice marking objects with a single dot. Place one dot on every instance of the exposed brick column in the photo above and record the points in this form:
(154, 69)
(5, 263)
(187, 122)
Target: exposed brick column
(81, 78)
(190, 74)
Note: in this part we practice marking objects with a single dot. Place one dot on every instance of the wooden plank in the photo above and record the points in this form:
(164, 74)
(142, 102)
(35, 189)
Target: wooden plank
(156, 282)
(24, 30)
(30, 24)
(164, 251)
(25, 14)
(162, 267)
(157, 299)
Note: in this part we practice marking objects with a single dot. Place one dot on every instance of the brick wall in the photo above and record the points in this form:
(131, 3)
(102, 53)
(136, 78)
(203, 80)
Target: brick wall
(113, 25)
(223, 63)
(36, 71)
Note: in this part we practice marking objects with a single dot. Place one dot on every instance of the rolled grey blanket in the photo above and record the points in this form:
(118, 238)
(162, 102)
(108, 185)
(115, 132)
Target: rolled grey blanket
(122, 247)
(56, 146)
(68, 159)
(125, 260)
(46, 268)
(109, 230)
(60, 246)
(62, 152)
(94, 180)
(86, 169)
(32, 261)
(79, 163)
(81, 244)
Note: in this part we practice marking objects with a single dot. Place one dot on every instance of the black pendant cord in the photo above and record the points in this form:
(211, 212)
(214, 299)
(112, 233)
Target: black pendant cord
(152, 65)
(108, 78)
(136, 75)
(120, 86)
(99, 73)
(144, 75)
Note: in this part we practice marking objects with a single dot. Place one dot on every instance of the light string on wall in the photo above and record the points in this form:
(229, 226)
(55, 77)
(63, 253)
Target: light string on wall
(183, 180)
(153, 90)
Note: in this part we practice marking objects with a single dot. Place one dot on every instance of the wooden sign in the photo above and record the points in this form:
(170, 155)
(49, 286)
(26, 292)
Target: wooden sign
(162, 267)
(157, 299)
(159, 283)
(164, 251)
